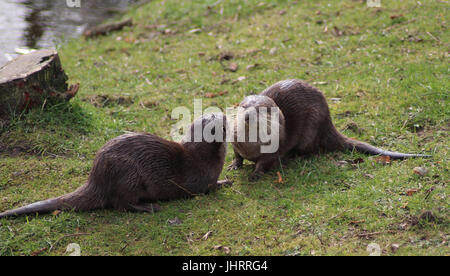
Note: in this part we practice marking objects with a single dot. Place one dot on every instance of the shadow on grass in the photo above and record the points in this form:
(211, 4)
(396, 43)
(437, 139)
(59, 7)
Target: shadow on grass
(40, 131)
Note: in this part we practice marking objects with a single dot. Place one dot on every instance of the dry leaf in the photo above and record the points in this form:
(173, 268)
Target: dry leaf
(337, 31)
(383, 159)
(396, 16)
(56, 212)
(369, 176)
(252, 66)
(280, 178)
(395, 247)
(174, 221)
(410, 192)
(341, 163)
(420, 171)
(206, 236)
(225, 249)
(193, 31)
(37, 252)
(233, 67)
(212, 95)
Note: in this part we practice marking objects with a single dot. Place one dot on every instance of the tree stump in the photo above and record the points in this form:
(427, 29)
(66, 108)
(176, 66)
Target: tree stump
(33, 80)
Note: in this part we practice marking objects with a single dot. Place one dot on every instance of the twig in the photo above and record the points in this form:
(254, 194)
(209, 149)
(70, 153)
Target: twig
(365, 235)
(399, 24)
(106, 28)
(184, 189)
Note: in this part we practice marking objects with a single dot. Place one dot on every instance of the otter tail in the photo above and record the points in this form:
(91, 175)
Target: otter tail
(369, 149)
(45, 206)
(333, 140)
(80, 200)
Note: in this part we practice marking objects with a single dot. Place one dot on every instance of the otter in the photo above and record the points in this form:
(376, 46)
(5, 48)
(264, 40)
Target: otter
(305, 127)
(133, 171)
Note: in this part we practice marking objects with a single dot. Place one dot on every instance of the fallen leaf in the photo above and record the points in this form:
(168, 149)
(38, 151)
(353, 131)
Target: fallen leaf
(239, 79)
(410, 192)
(252, 66)
(206, 236)
(233, 67)
(226, 56)
(225, 249)
(420, 171)
(369, 175)
(37, 252)
(335, 100)
(383, 159)
(395, 247)
(72, 91)
(280, 178)
(356, 161)
(194, 31)
(212, 95)
(337, 31)
(396, 16)
(341, 163)
(174, 221)
(358, 221)
(56, 212)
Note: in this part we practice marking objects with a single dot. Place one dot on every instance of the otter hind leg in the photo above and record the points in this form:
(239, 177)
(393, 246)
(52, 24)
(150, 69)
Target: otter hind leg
(237, 162)
(263, 165)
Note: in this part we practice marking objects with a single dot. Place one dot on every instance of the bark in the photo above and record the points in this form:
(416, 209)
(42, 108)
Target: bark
(33, 80)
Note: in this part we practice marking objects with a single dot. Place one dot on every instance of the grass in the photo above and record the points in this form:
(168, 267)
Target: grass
(388, 66)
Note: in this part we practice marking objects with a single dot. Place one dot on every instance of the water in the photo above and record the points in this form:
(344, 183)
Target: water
(46, 23)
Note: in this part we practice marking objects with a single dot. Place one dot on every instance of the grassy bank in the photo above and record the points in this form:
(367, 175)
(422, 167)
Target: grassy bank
(386, 70)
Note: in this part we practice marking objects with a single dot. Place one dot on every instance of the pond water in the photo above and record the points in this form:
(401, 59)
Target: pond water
(46, 23)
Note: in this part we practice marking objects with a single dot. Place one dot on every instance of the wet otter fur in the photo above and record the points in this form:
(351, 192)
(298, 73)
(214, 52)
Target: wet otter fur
(134, 170)
(305, 127)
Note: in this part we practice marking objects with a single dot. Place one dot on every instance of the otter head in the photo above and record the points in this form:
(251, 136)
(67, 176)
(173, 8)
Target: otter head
(258, 125)
(208, 132)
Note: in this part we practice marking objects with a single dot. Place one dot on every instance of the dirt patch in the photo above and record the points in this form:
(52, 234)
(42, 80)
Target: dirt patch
(15, 151)
(109, 100)
(24, 148)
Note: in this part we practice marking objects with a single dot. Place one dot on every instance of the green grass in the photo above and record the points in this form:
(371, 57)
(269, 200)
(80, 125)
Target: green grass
(390, 73)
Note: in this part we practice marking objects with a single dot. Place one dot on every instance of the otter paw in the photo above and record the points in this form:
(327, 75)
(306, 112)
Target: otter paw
(255, 176)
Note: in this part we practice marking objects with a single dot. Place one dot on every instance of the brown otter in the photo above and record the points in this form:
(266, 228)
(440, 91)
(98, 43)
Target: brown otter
(134, 170)
(305, 127)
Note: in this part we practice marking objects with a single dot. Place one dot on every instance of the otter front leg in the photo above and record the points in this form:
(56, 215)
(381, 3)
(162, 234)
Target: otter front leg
(237, 162)
(262, 166)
